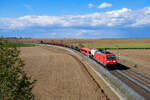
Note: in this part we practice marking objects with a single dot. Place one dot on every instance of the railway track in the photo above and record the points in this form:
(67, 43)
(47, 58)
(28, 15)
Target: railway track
(136, 81)
(139, 77)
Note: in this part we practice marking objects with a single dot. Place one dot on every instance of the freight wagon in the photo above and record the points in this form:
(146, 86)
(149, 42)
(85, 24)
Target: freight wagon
(85, 51)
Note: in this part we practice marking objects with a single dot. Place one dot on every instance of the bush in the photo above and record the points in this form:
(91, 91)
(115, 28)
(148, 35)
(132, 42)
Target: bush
(14, 82)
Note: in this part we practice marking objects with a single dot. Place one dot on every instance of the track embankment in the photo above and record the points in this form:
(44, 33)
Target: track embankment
(60, 75)
(136, 81)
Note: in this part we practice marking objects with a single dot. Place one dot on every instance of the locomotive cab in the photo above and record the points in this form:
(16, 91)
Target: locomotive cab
(110, 59)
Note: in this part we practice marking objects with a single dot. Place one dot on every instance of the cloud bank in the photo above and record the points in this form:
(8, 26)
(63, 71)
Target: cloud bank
(113, 22)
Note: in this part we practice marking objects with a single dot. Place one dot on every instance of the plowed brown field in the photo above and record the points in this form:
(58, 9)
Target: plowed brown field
(70, 41)
(59, 75)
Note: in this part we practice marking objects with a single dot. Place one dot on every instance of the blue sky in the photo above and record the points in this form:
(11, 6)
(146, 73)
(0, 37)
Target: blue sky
(75, 18)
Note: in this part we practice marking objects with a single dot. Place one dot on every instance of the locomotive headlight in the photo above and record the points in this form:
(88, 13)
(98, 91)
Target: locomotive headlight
(108, 61)
(114, 61)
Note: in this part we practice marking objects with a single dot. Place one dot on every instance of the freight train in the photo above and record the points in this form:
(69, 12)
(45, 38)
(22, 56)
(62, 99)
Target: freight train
(102, 56)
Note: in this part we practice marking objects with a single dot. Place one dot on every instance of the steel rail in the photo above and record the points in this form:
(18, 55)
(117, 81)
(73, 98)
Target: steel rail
(138, 87)
(138, 77)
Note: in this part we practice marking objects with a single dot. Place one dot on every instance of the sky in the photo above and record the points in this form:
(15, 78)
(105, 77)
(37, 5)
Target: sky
(75, 18)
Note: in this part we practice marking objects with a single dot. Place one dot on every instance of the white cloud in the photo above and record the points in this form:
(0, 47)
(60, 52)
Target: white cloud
(123, 17)
(105, 5)
(90, 5)
(142, 17)
(117, 13)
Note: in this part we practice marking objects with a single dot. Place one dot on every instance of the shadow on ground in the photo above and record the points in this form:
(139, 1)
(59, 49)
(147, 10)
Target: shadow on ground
(118, 66)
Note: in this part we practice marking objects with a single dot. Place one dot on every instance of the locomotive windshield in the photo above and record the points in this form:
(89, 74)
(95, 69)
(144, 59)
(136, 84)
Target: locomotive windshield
(110, 57)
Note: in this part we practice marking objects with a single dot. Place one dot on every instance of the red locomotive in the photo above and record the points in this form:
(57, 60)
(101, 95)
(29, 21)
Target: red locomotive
(105, 57)
(85, 51)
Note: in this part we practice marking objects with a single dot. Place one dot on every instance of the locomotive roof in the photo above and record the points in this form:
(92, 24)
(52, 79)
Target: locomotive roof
(103, 52)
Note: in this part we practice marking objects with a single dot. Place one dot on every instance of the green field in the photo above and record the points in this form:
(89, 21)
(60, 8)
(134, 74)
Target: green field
(14, 44)
(120, 45)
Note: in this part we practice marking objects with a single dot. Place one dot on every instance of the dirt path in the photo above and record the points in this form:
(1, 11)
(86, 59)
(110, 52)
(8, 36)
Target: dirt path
(59, 75)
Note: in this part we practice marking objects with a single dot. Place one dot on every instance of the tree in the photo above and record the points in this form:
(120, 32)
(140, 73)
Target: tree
(14, 82)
